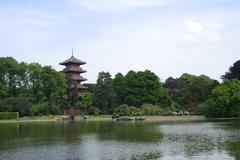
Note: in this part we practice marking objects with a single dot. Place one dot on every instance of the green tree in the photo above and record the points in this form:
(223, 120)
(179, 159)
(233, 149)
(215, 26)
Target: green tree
(85, 102)
(87, 99)
(189, 90)
(8, 74)
(225, 100)
(35, 83)
(93, 111)
(103, 95)
(90, 87)
(54, 87)
(141, 87)
(234, 72)
(74, 97)
(119, 86)
(21, 105)
(177, 89)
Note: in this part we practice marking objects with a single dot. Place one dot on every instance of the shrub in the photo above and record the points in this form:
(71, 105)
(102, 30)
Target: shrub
(168, 113)
(40, 109)
(174, 113)
(55, 110)
(133, 111)
(5, 104)
(125, 110)
(9, 115)
(200, 109)
(93, 111)
(180, 113)
(149, 109)
(79, 105)
(21, 105)
(186, 113)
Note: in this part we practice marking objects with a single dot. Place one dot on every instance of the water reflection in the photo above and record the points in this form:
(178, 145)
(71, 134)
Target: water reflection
(120, 141)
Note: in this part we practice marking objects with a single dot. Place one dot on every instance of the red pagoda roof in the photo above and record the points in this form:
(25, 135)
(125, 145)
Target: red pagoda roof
(79, 78)
(74, 70)
(73, 60)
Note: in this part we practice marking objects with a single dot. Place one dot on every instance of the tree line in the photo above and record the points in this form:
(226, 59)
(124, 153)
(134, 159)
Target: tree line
(33, 89)
(143, 90)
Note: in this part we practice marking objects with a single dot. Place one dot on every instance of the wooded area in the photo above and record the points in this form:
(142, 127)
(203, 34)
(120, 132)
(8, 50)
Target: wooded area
(33, 89)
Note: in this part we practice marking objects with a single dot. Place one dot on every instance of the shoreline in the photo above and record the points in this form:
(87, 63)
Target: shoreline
(108, 118)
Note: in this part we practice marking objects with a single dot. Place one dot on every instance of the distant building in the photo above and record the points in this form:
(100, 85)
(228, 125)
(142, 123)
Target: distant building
(73, 72)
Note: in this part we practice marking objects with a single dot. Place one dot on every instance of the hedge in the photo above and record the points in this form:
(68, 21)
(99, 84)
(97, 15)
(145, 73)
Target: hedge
(9, 115)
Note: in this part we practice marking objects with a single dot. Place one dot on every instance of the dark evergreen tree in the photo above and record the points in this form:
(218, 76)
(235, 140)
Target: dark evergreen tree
(103, 95)
(234, 72)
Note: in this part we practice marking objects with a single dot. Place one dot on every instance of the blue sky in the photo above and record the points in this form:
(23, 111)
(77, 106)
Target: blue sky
(169, 37)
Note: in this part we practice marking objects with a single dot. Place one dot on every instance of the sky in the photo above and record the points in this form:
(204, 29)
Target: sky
(168, 37)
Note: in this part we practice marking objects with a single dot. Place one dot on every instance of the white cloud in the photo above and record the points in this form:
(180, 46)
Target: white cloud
(193, 26)
(118, 5)
(136, 67)
(197, 32)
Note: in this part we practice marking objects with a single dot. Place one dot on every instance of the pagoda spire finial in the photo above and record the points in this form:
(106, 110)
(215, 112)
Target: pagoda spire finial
(72, 52)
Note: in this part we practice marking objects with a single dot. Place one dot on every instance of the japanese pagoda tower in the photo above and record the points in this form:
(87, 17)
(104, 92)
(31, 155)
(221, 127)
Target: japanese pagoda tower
(73, 72)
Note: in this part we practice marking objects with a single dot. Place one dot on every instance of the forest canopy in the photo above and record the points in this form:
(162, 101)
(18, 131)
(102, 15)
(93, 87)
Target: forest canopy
(33, 89)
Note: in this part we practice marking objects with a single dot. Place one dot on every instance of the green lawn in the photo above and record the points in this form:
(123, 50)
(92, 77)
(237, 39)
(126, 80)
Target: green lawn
(109, 118)
(49, 117)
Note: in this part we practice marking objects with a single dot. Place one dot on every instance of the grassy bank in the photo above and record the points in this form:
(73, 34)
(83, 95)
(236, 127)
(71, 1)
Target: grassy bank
(31, 119)
(100, 118)
(152, 118)
(47, 118)
(108, 118)
(173, 118)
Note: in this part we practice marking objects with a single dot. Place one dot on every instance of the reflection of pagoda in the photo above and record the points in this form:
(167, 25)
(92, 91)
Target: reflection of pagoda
(73, 72)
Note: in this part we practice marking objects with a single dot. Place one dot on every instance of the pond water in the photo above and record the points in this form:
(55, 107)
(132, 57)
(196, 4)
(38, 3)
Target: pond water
(120, 141)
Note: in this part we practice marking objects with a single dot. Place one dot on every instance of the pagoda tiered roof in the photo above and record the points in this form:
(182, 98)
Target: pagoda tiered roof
(73, 71)
(72, 60)
(78, 78)
(78, 70)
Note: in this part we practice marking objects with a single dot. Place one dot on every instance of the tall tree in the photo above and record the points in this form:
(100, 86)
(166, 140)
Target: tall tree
(8, 74)
(103, 92)
(119, 87)
(177, 89)
(190, 90)
(234, 72)
(225, 100)
(138, 88)
(33, 83)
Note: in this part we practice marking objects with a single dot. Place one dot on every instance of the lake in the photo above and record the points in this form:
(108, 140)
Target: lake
(120, 140)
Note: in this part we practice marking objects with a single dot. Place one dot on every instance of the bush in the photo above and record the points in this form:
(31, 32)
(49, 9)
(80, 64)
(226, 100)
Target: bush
(55, 110)
(180, 113)
(93, 111)
(21, 105)
(125, 110)
(9, 115)
(5, 104)
(225, 100)
(79, 105)
(133, 111)
(186, 113)
(149, 109)
(40, 109)
(169, 113)
(200, 109)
